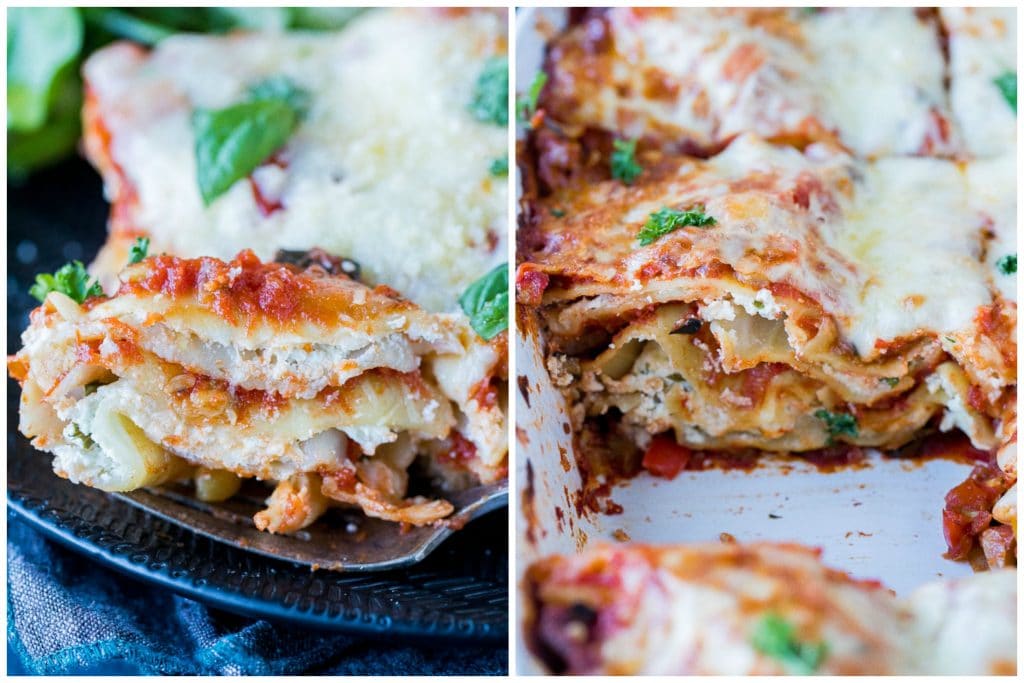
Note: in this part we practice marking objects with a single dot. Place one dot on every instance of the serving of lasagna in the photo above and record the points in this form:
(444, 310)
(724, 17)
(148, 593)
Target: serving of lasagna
(780, 230)
(221, 370)
(304, 281)
(758, 609)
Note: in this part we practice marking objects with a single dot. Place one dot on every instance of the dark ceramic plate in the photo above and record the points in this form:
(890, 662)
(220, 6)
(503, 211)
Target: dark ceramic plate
(460, 590)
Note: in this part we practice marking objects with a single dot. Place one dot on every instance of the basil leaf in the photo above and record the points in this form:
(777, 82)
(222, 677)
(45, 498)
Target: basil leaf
(42, 44)
(71, 279)
(489, 102)
(775, 637)
(486, 303)
(122, 24)
(138, 250)
(272, 19)
(666, 220)
(323, 18)
(282, 89)
(231, 143)
(1007, 84)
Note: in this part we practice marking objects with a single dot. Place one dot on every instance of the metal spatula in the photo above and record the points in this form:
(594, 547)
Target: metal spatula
(340, 541)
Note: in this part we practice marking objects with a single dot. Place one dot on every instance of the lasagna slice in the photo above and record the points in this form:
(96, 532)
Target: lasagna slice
(691, 79)
(388, 166)
(222, 370)
(983, 77)
(774, 299)
(756, 609)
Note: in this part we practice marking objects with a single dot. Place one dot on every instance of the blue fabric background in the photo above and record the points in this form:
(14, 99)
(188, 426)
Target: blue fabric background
(68, 615)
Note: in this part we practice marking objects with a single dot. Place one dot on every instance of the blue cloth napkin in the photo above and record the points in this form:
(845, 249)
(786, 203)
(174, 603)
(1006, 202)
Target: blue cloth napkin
(69, 615)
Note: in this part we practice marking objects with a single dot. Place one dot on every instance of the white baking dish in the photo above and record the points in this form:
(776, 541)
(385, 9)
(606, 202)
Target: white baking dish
(881, 522)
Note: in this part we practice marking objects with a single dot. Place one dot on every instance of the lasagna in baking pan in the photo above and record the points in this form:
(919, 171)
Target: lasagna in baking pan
(775, 298)
(758, 609)
(870, 79)
(723, 254)
(224, 370)
(392, 162)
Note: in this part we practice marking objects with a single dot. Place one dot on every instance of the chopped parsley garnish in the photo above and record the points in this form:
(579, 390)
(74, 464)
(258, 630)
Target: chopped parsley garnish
(486, 303)
(623, 161)
(139, 250)
(891, 381)
(558, 213)
(775, 637)
(499, 167)
(837, 423)
(1007, 265)
(71, 279)
(528, 106)
(75, 433)
(233, 142)
(489, 103)
(951, 340)
(1007, 84)
(667, 220)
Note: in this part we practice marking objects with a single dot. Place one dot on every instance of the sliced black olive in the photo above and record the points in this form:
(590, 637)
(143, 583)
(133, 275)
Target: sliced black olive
(691, 326)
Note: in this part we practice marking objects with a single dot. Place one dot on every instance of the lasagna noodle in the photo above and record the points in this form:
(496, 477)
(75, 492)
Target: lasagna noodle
(824, 284)
(702, 609)
(388, 167)
(693, 78)
(259, 370)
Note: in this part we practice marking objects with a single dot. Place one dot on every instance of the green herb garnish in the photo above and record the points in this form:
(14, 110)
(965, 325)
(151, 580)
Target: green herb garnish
(486, 302)
(1007, 265)
(232, 142)
(282, 89)
(837, 423)
(76, 434)
(891, 381)
(558, 213)
(623, 161)
(1007, 84)
(139, 250)
(775, 637)
(490, 94)
(71, 279)
(528, 106)
(499, 167)
(47, 45)
(667, 220)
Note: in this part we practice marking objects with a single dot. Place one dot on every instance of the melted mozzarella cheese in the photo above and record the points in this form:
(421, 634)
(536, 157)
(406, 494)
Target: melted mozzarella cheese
(966, 626)
(917, 249)
(880, 72)
(992, 194)
(388, 168)
(874, 76)
(982, 47)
